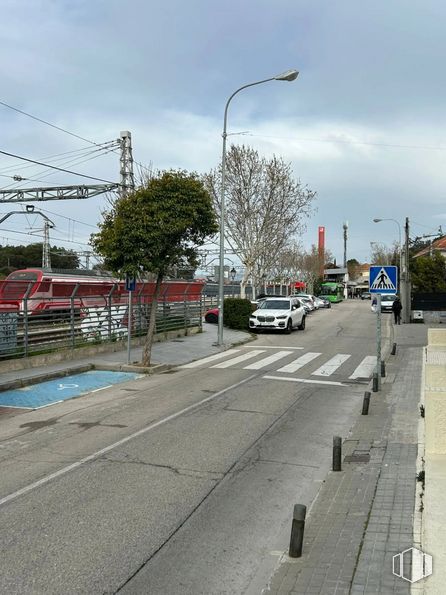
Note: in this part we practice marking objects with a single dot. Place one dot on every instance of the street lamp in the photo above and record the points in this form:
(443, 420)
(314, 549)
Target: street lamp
(233, 273)
(288, 75)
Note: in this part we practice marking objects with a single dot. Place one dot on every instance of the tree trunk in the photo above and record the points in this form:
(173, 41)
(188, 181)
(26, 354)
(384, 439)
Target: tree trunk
(147, 351)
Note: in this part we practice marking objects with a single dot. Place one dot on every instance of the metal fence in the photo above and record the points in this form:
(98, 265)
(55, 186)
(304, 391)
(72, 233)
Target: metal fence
(33, 324)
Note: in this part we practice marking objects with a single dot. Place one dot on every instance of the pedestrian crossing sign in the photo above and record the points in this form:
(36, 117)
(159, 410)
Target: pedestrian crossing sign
(383, 279)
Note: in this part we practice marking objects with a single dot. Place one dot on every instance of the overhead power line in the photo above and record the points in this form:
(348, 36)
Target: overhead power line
(61, 129)
(56, 168)
(47, 123)
(344, 142)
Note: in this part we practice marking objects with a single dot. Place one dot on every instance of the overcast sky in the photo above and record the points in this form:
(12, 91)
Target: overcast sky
(363, 125)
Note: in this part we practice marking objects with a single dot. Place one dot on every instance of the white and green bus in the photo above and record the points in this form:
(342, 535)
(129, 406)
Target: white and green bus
(332, 291)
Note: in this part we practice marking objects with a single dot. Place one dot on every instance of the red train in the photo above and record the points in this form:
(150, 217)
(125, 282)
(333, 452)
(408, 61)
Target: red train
(43, 292)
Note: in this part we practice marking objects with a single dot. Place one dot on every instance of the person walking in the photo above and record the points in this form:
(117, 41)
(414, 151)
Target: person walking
(396, 309)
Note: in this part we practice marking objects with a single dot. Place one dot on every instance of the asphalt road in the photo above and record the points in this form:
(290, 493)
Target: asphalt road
(181, 483)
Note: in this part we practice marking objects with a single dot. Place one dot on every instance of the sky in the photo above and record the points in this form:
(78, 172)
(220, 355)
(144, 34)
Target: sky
(362, 125)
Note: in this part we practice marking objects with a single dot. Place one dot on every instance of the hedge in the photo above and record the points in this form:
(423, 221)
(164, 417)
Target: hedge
(236, 312)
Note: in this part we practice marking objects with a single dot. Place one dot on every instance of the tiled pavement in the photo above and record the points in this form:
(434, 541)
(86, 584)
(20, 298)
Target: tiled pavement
(363, 515)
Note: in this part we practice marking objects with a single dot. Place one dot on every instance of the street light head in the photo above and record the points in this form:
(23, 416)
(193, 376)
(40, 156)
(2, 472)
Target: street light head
(288, 75)
(376, 220)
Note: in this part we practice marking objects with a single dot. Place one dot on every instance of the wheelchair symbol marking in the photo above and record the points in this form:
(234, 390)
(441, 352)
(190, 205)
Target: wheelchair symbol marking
(62, 386)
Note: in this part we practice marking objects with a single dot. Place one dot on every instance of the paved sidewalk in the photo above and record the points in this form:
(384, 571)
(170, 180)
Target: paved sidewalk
(364, 515)
(173, 352)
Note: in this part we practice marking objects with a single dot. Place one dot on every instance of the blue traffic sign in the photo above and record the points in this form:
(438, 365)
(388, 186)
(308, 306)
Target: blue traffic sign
(383, 279)
(130, 283)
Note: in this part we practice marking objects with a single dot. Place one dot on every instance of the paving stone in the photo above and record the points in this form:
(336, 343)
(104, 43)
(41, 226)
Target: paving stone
(363, 515)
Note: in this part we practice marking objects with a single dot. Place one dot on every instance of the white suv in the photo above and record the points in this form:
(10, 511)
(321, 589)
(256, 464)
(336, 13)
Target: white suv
(280, 313)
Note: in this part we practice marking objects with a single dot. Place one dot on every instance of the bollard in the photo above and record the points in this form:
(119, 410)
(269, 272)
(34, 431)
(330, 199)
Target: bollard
(393, 352)
(366, 403)
(375, 382)
(297, 531)
(337, 453)
(383, 369)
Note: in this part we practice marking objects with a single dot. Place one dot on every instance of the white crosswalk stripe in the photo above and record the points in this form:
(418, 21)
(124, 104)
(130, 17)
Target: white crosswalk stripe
(365, 368)
(239, 359)
(211, 358)
(332, 365)
(299, 362)
(229, 359)
(262, 363)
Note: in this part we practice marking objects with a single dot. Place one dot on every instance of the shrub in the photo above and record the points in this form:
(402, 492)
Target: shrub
(236, 313)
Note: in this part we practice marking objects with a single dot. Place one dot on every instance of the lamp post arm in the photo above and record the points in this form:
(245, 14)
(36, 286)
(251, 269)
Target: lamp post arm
(225, 120)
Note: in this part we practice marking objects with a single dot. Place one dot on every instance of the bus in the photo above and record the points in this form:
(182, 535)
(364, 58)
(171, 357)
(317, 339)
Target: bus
(332, 291)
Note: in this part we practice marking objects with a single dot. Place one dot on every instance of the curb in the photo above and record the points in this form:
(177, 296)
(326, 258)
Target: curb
(39, 378)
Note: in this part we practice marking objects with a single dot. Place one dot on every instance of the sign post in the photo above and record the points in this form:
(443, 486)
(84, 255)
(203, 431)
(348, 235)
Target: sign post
(130, 284)
(383, 280)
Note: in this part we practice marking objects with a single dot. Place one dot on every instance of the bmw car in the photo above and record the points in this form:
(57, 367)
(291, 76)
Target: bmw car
(278, 313)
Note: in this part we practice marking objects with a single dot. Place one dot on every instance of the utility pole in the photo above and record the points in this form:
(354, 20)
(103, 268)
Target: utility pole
(46, 260)
(407, 296)
(345, 228)
(127, 184)
(46, 256)
(404, 276)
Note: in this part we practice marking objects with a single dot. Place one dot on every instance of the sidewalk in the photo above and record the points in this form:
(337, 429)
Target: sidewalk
(364, 514)
(172, 352)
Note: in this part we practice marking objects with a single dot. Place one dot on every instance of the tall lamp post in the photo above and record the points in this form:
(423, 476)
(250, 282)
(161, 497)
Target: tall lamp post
(402, 266)
(289, 75)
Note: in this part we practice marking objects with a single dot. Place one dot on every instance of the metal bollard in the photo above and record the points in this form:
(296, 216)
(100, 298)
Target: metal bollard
(297, 531)
(375, 387)
(383, 369)
(366, 403)
(393, 352)
(337, 453)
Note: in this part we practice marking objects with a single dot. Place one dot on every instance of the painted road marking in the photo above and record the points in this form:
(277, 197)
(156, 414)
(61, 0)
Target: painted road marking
(299, 362)
(262, 363)
(211, 358)
(62, 386)
(270, 347)
(365, 368)
(304, 380)
(99, 453)
(239, 359)
(51, 392)
(332, 365)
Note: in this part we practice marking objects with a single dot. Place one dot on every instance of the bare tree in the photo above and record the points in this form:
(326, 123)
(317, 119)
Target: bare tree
(382, 254)
(264, 207)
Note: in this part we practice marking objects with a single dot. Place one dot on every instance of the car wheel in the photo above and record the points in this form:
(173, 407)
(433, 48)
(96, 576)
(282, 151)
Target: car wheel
(302, 324)
(212, 318)
(289, 327)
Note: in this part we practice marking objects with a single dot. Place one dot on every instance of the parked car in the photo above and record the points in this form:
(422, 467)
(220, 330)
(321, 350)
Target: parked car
(279, 313)
(211, 316)
(386, 302)
(306, 298)
(366, 295)
(323, 302)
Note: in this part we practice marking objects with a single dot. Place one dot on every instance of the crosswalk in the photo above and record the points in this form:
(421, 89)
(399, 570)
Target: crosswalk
(315, 364)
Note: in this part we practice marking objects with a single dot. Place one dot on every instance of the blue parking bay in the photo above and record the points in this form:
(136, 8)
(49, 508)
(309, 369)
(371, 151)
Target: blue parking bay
(61, 389)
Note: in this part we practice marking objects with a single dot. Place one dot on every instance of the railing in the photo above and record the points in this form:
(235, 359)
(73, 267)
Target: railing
(34, 324)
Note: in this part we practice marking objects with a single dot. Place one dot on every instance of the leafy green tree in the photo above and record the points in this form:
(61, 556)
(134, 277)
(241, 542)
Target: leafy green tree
(353, 268)
(22, 257)
(154, 229)
(429, 273)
